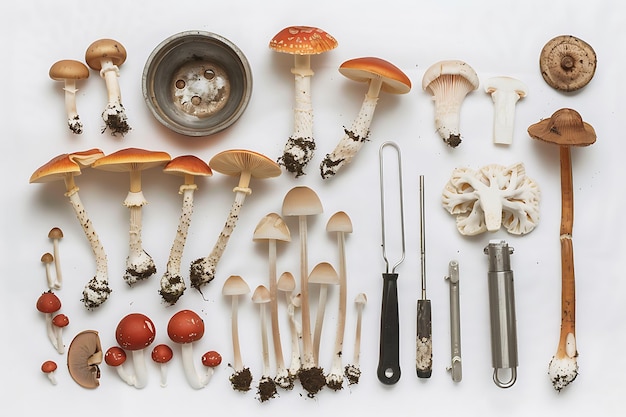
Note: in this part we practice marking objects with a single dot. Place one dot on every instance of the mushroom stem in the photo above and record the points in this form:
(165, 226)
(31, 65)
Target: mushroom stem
(50, 331)
(334, 379)
(73, 120)
(141, 371)
(504, 115)
(319, 321)
(282, 376)
(264, 340)
(292, 303)
(237, 361)
(353, 370)
(194, 380)
(139, 264)
(114, 115)
(308, 360)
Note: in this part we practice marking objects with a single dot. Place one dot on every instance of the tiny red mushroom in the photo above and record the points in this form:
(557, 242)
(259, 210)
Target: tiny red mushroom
(59, 322)
(48, 303)
(135, 332)
(116, 357)
(162, 354)
(186, 327)
(211, 360)
(49, 368)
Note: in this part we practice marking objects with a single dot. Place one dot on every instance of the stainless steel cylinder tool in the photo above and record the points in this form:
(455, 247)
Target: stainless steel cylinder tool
(502, 313)
(456, 368)
(389, 355)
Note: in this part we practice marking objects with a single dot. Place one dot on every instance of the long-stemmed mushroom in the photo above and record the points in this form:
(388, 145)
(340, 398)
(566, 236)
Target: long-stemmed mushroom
(247, 165)
(235, 286)
(340, 224)
(139, 264)
(56, 234)
(272, 228)
(302, 201)
(353, 370)
(565, 128)
(69, 71)
(106, 56)
(267, 385)
(380, 75)
(449, 82)
(47, 259)
(65, 167)
(324, 275)
(505, 92)
(189, 166)
(301, 42)
(287, 284)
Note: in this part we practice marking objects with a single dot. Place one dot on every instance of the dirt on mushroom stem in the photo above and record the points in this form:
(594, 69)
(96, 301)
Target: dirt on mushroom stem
(115, 119)
(352, 374)
(241, 380)
(267, 389)
(312, 380)
(297, 154)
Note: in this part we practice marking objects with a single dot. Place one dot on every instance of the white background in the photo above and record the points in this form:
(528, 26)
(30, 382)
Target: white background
(494, 37)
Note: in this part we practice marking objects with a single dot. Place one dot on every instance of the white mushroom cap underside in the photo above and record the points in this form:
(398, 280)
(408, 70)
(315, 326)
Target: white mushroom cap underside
(450, 67)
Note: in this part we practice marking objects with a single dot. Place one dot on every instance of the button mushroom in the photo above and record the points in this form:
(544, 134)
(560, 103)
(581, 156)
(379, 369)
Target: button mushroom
(65, 167)
(161, 355)
(115, 357)
(505, 92)
(60, 321)
(69, 71)
(106, 56)
(49, 368)
(247, 165)
(48, 304)
(380, 75)
(449, 82)
(301, 42)
(83, 357)
(56, 234)
(135, 332)
(188, 166)
(565, 128)
(567, 63)
(139, 264)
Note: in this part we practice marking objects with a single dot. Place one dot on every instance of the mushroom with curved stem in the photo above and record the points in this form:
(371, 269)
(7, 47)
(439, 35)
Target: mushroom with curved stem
(380, 75)
(353, 370)
(567, 63)
(189, 166)
(247, 165)
(449, 82)
(161, 355)
(49, 368)
(139, 264)
(505, 92)
(106, 56)
(287, 284)
(135, 332)
(56, 234)
(47, 259)
(301, 42)
(69, 71)
(211, 360)
(565, 128)
(48, 304)
(60, 321)
(235, 286)
(267, 385)
(272, 228)
(115, 357)
(185, 328)
(83, 357)
(65, 167)
(340, 224)
(302, 201)
(323, 274)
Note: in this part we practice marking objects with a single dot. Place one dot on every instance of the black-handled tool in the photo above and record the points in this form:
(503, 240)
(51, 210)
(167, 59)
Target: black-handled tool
(389, 355)
(424, 339)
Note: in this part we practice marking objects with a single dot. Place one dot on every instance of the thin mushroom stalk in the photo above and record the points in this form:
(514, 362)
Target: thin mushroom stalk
(139, 264)
(56, 234)
(267, 385)
(353, 370)
(235, 286)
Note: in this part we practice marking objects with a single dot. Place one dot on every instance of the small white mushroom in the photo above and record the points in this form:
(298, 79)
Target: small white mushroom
(505, 93)
(449, 82)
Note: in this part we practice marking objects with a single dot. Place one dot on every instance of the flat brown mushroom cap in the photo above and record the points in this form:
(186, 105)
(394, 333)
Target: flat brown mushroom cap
(59, 166)
(105, 48)
(129, 159)
(188, 165)
(234, 162)
(83, 357)
(302, 40)
(68, 69)
(364, 69)
(564, 127)
(567, 63)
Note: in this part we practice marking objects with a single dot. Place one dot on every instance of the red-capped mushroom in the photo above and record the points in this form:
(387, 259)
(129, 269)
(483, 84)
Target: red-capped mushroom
(186, 327)
(161, 355)
(48, 303)
(135, 332)
(59, 322)
(115, 357)
(49, 368)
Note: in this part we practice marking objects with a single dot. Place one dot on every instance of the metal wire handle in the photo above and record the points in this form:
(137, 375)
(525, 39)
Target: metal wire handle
(382, 204)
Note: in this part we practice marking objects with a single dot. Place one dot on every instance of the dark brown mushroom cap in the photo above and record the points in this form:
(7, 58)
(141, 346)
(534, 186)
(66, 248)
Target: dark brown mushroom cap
(55, 233)
(567, 63)
(58, 167)
(188, 165)
(83, 357)
(105, 48)
(564, 127)
(235, 161)
(129, 159)
(68, 69)
(364, 69)
(303, 40)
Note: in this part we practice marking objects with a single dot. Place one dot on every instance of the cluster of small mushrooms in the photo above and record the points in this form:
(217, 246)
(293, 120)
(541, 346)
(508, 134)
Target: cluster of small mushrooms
(482, 200)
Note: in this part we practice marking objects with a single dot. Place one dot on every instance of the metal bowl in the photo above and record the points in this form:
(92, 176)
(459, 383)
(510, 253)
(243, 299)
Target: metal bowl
(197, 83)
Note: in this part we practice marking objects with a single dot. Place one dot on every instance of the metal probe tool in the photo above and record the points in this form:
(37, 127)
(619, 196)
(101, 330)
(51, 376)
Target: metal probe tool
(455, 368)
(424, 339)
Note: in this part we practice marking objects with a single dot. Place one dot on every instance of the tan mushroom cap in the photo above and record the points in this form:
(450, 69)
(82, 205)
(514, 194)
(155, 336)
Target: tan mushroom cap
(47, 258)
(188, 165)
(339, 222)
(261, 295)
(68, 69)
(235, 161)
(286, 282)
(105, 48)
(567, 63)
(132, 159)
(55, 233)
(564, 127)
(324, 273)
(364, 69)
(68, 163)
(235, 285)
(303, 40)
(301, 201)
(272, 227)
(83, 357)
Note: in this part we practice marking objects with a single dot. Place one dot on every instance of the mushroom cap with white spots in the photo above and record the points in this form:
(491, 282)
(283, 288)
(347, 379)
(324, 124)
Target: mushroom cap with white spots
(303, 40)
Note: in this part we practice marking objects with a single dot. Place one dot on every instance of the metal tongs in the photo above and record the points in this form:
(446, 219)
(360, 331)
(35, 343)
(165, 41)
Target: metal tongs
(389, 354)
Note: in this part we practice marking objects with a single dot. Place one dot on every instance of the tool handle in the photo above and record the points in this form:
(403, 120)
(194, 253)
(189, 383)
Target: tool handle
(389, 355)
(424, 342)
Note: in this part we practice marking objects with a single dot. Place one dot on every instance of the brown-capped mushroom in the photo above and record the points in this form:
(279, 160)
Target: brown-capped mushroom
(139, 264)
(247, 165)
(567, 63)
(565, 128)
(65, 167)
(47, 259)
(188, 166)
(69, 71)
(56, 234)
(106, 56)
(83, 357)
(324, 275)
(301, 42)
(380, 75)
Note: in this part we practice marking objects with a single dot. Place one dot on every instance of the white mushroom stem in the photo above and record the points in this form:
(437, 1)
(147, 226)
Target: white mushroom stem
(319, 321)
(110, 73)
(58, 280)
(49, 277)
(292, 303)
(70, 105)
(139, 265)
(264, 340)
(50, 330)
(360, 303)
(505, 93)
(141, 371)
(195, 381)
(52, 377)
(237, 361)
(336, 371)
(308, 359)
(353, 138)
(163, 374)
(58, 335)
(281, 371)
